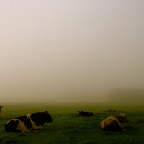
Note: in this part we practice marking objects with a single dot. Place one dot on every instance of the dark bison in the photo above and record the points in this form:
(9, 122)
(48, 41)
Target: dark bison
(30, 122)
(82, 113)
(1, 108)
(114, 123)
(39, 118)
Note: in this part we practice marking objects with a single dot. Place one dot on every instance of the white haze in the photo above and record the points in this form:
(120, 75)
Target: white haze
(70, 50)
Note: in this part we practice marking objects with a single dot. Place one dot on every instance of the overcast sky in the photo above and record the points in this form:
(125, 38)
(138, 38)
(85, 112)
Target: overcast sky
(70, 50)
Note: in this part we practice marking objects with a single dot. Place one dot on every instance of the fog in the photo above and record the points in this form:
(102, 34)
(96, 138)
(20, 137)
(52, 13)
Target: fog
(71, 50)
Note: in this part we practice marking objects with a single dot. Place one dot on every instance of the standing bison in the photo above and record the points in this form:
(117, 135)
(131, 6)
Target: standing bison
(114, 123)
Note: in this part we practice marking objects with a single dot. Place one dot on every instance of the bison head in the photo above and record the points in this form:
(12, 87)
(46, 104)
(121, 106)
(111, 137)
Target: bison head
(47, 117)
(122, 118)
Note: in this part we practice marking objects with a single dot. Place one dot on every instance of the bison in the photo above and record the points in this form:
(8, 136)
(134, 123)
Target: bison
(38, 119)
(82, 113)
(114, 123)
(1, 108)
(27, 123)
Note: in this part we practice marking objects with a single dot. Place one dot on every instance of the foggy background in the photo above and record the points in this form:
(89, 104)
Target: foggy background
(71, 50)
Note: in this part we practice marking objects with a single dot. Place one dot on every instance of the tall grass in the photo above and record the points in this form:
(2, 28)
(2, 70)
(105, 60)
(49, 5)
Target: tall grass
(69, 128)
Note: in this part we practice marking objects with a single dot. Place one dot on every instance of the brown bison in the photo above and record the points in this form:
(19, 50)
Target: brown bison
(113, 123)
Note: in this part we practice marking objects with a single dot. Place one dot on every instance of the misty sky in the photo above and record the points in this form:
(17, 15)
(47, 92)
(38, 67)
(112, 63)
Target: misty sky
(70, 50)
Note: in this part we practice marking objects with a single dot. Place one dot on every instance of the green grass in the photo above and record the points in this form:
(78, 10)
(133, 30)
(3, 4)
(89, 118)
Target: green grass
(69, 128)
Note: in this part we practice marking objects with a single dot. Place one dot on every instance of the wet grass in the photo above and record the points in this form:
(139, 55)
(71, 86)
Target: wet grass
(69, 128)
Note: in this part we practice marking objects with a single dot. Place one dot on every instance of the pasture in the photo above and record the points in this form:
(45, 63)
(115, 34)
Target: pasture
(70, 128)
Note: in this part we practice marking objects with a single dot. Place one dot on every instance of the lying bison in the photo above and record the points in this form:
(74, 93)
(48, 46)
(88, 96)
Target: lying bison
(27, 123)
(82, 113)
(114, 123)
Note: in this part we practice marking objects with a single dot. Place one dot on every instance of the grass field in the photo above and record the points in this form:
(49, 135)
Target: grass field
(69, 128)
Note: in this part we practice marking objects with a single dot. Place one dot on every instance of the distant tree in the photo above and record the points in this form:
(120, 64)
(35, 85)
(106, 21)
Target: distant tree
(123, 95)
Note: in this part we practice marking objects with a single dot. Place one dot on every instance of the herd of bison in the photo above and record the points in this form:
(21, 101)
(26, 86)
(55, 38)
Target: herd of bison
(35, 121)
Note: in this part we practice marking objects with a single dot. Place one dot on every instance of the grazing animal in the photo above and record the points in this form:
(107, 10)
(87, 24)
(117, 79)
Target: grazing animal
(114, 123)
(30, 122)
(15, 125)
(82, 113)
